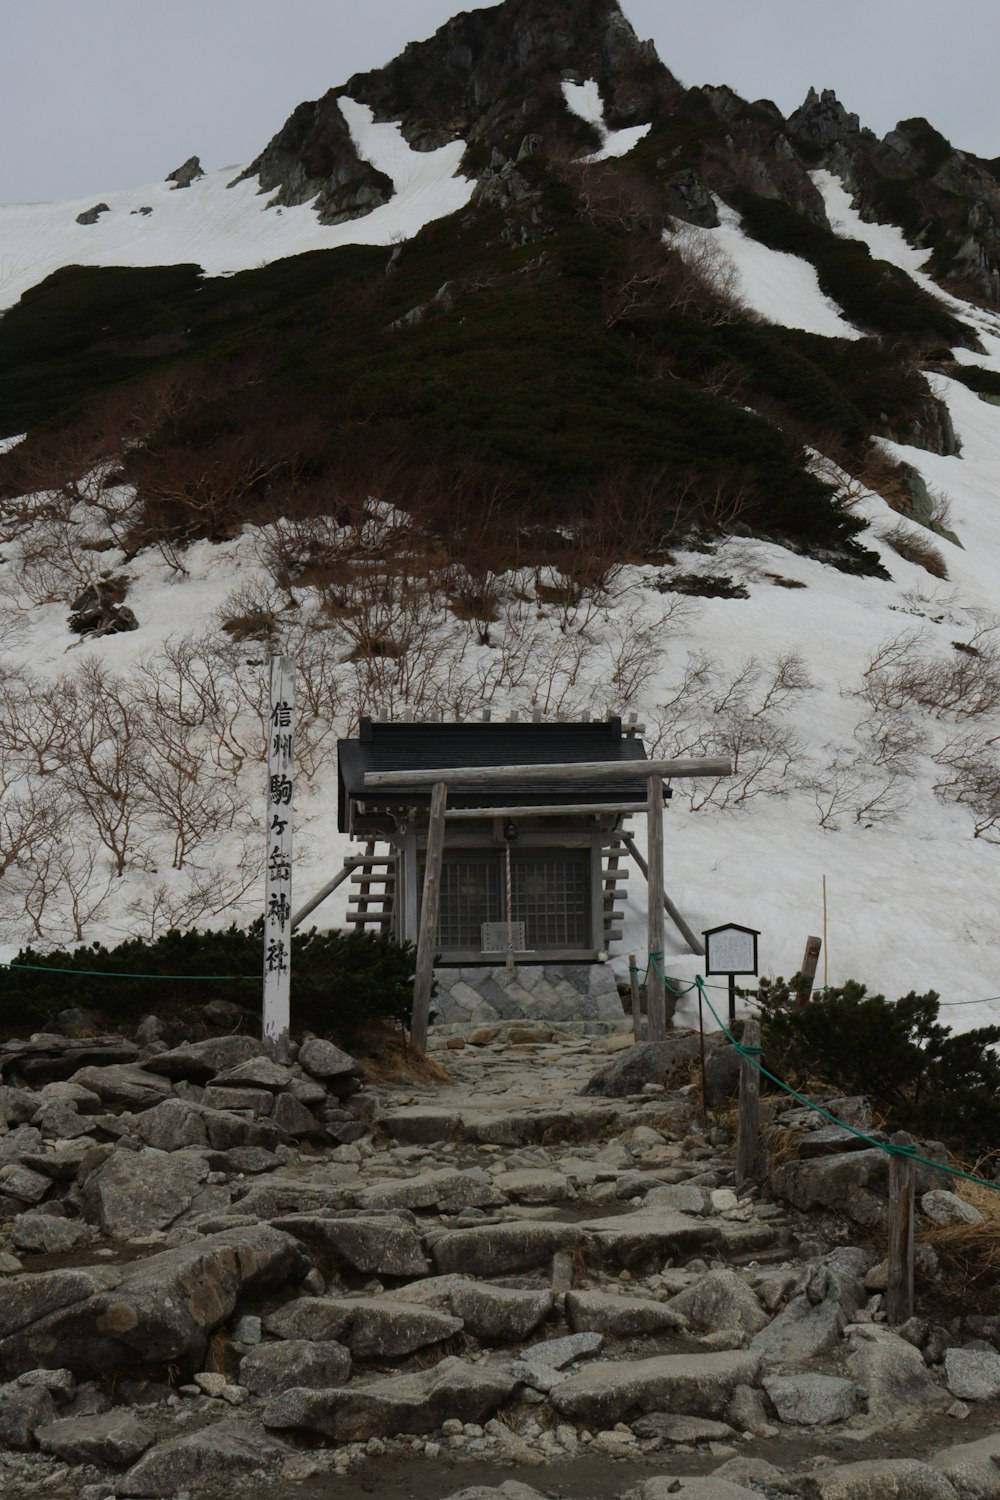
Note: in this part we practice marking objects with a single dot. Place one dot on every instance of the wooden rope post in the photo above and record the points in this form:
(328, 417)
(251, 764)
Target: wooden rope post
(656, 994)
(749, 1110)
(633, 979)
(423, 978)
(899, 1288)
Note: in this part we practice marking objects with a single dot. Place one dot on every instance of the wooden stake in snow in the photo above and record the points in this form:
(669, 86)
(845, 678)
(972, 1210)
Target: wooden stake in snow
(810, 961)
(278, 876)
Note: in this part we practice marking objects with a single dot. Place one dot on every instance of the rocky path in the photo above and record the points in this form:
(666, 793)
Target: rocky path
(221, 1275)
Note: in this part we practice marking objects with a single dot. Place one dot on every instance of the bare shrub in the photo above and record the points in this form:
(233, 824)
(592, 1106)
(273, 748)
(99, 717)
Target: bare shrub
(969, 776)
(64, 882)
(35, 720)
(962, 685)
(636, 644)
(742, 716)
(203, 893)
(869, 781)
(251, 612)
(102, 758)
(31, 814)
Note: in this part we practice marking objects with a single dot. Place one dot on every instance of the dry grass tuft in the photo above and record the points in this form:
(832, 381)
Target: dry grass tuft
(385, 1057)
(915, 550)
(970, 1253)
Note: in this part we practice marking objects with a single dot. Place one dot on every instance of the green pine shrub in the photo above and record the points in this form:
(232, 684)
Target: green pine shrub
(917, 1072)
(341, 981)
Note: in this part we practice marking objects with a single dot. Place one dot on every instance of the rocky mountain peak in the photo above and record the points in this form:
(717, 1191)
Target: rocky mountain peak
(822, 117)
(491, 78)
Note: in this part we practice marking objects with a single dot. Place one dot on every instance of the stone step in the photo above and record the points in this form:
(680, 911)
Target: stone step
(697, 1385)
(579, 1120)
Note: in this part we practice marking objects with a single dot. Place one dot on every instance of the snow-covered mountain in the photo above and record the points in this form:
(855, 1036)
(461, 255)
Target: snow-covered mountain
(721, 374)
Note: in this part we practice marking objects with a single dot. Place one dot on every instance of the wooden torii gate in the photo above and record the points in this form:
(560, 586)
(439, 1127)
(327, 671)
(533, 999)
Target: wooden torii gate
(653, 772)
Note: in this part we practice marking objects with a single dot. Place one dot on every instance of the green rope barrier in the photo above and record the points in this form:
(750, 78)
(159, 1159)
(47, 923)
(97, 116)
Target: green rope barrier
(889, 1147)
(821, 989)
(660, 974)
(120, 973)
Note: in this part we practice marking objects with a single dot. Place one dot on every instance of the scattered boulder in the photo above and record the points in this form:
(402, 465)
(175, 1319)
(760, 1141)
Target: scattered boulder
(404, 1403)
(115, 1439)
(134, 1192)
(44, 1234)
(878, 1479)
(20, 1182)
(973, 1468)
(171, 1125)
(255, 1073)
(720, 1300)
(378, 1245)
(202, 1060)
(947, 1208)
(23, 1409)
(620, 1317)
(852, 1184)
(124, 1085)
(972, 1374)
(221, 1452)
(316, 1364)
(227, 1129)
(645, 1062)
(323, 1060)
(694, 1384)
(809, 1400)
(91, 215)
(500, 1314)
(155, 1311)
(371, 1328)
(899, 1385)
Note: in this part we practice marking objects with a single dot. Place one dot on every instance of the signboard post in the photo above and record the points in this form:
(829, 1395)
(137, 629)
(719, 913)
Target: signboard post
(278, 875)
(731, 950)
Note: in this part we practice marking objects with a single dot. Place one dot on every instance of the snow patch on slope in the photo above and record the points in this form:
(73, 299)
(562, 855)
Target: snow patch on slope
(226, 228)
(887, 242)
(779, 287)
(584, 99)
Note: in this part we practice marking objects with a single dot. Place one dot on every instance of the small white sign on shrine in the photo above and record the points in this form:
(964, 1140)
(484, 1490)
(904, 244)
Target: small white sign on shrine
(278, 870)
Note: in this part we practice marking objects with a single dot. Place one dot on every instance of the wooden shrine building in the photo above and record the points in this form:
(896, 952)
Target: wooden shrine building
(528, 871)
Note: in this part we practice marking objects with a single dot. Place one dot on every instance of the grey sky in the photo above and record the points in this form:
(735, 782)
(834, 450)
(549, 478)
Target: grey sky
(102, 94)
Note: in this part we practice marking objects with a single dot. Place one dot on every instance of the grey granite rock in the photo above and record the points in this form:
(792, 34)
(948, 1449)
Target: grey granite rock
(810, 1400)
(314, 1363)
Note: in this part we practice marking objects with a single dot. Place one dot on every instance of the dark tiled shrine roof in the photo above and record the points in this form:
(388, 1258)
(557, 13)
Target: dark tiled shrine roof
(401, 747)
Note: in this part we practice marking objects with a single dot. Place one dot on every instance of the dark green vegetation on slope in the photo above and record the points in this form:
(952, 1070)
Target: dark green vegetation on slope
(873, 294)
(470, 351)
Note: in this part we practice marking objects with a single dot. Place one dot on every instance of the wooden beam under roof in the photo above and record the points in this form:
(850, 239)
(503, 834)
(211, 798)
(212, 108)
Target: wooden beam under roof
(591, 770)
(548, 810)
